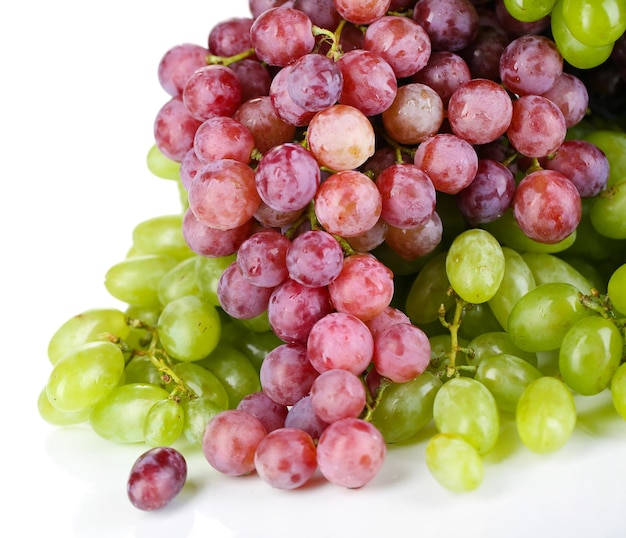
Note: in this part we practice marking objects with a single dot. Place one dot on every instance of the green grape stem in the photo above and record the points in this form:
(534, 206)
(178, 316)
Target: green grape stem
(333, 38)
(601, 305)
(370, 405)
(212, 59)
(452, 369)
(161, 360)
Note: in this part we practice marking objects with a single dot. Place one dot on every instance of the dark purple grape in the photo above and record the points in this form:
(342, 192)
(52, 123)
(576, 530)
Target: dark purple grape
(156, 478)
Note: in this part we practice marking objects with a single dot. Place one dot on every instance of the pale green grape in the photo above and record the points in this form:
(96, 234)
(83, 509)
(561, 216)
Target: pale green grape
(545, 415)
(429, 291)
(257, 324)
(234, 371)
(608, 210)
(202, 382)
(189, 328)
(255, 346)
(517, 281)
(454, 463)
(506, 377)
(140, 338)
(57, 417)
(140, 369)
(475, 265)
(208, 273)
(550, 268)
(616, 289)
(529, 10)
(405, 408)
(618, 390)
(590, 353)
(465, 406)
(508, 233)
(574, 51)
(494, 343)
(198, 413)
(163, 423)
(179, 281)
(89, 326)
(587, 270)
(161, 166)
(595, 23)
(136, 280)
(162, 235)
(540, 319)
(85, 375)
(613, 144)
(477, 318)
(121, 415)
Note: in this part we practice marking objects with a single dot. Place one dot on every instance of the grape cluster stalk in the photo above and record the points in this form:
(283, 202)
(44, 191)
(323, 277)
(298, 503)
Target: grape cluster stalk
(394, 213)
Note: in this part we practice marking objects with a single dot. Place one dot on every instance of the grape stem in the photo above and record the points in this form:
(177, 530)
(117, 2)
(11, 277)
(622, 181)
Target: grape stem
(370, 406)
(212, 59)
(452, 370)
(601, 304)
(333, 38)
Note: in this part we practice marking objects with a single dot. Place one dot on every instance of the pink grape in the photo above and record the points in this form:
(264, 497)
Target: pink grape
(286, 458)
(212, 242)
(364, 288)
(483, 54)
(362, 11)
(547, 206)
(337, 394)
(444, 73)
(221, 180)
(388, 317)
(238, 297)
(302, 416)
(254, 76)
(314, 82)
(156, 478)
(174, 129)
(213, 90)
(340, 340)
(223, 137)
(178, 64)
(230, 36)
(411, 243)
(271, 414)
(314, 258)
(450, 24)
(262, 258)
(570, 94)
(257, 7)
(262, 120)
(348, 203)
(448, 160)
(287, 374)
(341, 137)
(189, 166)
(321, 12)
(285, 106)
(272, 218)
(230, 441)
(401, 352)
(479, 111)
(350, 452)
(371, 239)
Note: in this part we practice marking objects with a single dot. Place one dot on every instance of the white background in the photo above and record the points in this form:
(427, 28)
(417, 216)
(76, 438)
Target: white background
(79, 94)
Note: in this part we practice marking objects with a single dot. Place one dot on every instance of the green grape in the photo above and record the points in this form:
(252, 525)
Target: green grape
(89, 326)
(85, 375)
(550, 268)
(161, 166)
(589, 355)
(616, 289)
(179, 281)
(618, 390)
(163, 423)
(255, 346)
(588, 270)
(121, 415)
(140, 369)
(135, 281)
(540, 319)
(57, 417)
(189, 328)
(506, 377)
(574, 51)
(475, 265)
(529, 10)
(208, 273)
(465, 406)
(257, 324)
(405, 408)
(139, 338)
(202, 382)
(454, 463)
(440, 349)
(596, 23)
(399, 265)
(429, 291)
(613, 144)
(478, 318)
(162, 235)
(517, 281)
(608, 210)
(234, 371)
(508, 233)
(494, 343)
(198, 413)
(546, 415)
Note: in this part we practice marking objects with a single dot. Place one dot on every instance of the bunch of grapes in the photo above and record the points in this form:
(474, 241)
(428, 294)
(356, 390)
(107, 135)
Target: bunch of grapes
(393, 213)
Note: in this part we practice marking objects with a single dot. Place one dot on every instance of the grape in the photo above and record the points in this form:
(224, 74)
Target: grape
(179, 282)
(302, 416)
(174, 129)
(58, 417)
(202, 382)
(450, 24)
(230, 36)
(417, 241)
(223, 138)
(618, 390)
(613, 145)
(314, 82)
(160, 165)
(321, 12)
(454, 462)
(608, 210)
(230, 441)
(212, 90)
(540, 319)
(262, 258)
(406, 408)
(288, 111)
(550, 268)
(164, 423)
(616, 288)
(401, 352)
(492, 343)
(314, 258)
(545, 415)
(529, 10)
(161, 235)
(198, 413)
(547, 206)
(238, 297)
(178, 64)
(337, 394)
(156, 478)
(570, 94)
(475, 265)
(515, 27)
(590, 354)
(444, 72)
(595, 24)
(286, 458)
(359, 12)
(350, 452)
(271, 414)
